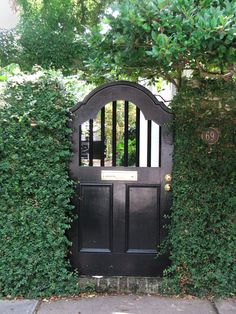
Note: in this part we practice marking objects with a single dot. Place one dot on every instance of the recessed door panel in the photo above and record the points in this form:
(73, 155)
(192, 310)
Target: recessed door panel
(142, 218)
(95, 218)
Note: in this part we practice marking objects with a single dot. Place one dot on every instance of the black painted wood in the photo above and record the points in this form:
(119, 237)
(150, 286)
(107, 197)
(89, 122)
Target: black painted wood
(149, 142)
(126, 133)
(95, 221)
(142, 218)
(152, 108)
(137, 135)
(102, 136)
(120, 223)
(114, 108)
(129, 264)
(80, 135)
(90, 142)
(160, 145)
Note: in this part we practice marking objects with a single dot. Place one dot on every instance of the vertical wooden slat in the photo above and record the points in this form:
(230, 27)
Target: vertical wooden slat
(137, 135)
(102, 136)
(160, 145)
(114, 133)
(126, 134)
(80, 146)
(90, 142)
(149, 141)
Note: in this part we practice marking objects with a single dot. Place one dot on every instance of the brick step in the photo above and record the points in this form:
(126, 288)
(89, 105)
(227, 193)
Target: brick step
(120, 284)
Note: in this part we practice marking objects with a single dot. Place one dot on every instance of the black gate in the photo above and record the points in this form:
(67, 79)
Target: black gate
(122, 160)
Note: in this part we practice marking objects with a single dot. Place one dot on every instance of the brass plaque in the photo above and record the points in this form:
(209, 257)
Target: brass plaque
(210, 135)
(119, 175)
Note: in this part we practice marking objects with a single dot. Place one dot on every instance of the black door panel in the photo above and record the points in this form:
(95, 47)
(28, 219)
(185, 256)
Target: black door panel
(121, 206)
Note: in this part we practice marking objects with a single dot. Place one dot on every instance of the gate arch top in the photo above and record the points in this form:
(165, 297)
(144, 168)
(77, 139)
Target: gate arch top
(151, 108)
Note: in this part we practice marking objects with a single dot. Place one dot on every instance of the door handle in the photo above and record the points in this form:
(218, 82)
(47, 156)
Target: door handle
(168, 177)
(167, 187)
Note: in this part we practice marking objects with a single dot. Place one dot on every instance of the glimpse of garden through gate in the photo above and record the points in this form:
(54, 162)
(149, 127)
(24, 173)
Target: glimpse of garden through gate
(122, 159)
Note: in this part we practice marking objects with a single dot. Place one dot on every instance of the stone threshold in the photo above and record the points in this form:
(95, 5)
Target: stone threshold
(120, 284)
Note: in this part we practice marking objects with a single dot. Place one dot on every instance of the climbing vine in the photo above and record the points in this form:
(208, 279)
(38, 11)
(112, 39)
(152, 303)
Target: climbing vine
(202, 234)
(35, 209)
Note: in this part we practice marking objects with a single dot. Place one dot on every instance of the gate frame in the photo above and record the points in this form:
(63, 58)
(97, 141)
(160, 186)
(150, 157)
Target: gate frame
(152, 109)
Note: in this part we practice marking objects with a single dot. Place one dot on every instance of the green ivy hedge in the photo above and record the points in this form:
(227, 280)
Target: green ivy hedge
(35, 190)
(203, 229)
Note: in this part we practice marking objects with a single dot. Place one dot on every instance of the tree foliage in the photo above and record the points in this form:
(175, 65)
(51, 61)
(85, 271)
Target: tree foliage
(49, 32)
(149, 39)
(163, 38)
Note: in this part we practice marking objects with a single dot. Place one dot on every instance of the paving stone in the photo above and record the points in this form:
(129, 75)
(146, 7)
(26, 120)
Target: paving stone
(18, 306)
(226, 306)
(125, 304)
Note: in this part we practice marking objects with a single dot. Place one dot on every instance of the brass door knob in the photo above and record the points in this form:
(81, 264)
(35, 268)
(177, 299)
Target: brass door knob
(167, 187)
(168, 177)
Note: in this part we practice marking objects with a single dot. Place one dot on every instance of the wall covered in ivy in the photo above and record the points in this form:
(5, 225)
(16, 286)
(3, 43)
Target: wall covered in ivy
(203, 230)
(35, 190)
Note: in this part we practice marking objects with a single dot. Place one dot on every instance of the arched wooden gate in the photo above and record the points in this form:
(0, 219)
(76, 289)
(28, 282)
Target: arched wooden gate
(122, 159)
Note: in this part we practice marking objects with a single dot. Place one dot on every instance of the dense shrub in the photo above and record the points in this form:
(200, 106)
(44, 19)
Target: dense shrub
(203, 230)
(35, 190)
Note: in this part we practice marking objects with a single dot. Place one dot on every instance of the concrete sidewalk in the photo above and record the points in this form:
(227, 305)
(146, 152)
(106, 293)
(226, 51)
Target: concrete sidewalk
(119, 304)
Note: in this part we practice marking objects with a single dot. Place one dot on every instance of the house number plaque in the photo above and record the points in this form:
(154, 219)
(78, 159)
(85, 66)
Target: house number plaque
(210, 136)
(119, 175)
